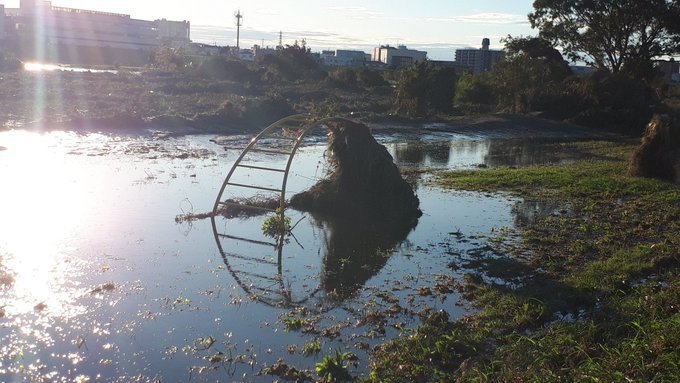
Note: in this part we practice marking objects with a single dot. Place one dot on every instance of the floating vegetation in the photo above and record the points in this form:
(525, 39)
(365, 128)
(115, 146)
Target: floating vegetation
(335, 368)
(241, 207)
(286, 372)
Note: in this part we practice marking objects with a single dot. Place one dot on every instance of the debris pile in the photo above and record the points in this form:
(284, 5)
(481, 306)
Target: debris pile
(364, 182)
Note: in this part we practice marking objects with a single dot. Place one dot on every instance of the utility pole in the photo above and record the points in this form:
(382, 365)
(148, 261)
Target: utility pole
(280, 39)
(238, 17)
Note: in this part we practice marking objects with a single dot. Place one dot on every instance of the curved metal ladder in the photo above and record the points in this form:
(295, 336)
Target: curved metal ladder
(291, 131)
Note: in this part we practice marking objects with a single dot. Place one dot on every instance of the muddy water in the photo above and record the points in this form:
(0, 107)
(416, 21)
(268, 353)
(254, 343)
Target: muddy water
(99, 283)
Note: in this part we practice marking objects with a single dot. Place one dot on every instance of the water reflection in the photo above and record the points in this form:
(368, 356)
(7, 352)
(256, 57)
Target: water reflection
(472, 153)
(528, 212)
(352, 252)
(97, 282)
(355, 251)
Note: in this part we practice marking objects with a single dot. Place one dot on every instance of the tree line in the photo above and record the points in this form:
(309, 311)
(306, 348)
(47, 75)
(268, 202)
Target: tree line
(619, 39)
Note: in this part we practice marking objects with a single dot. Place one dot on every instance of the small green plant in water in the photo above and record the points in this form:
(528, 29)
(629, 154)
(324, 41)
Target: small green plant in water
(276, 225)
(294, 324)
(334, 368)
(311, 348)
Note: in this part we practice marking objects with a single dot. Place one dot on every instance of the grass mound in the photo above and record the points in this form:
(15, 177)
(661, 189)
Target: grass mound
(658, 156)
(363, 182)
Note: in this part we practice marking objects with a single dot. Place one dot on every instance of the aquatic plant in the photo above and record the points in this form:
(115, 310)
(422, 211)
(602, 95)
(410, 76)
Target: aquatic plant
(276, 225)
(334, 368)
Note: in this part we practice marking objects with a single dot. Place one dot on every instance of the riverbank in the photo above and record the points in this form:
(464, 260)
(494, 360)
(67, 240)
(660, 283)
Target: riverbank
(178, 104)
(591, 293)
(182, 102)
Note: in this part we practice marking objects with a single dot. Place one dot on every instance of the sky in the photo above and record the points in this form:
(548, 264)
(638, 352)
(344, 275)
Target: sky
(436, 26)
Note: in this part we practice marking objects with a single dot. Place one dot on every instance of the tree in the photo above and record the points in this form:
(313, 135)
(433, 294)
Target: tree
(474, 90)
(530, 76)
(616, 35)
(425, 89)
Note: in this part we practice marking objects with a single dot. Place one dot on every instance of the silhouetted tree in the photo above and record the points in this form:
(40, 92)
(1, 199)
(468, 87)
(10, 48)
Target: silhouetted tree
(530, 75)
(616, 35)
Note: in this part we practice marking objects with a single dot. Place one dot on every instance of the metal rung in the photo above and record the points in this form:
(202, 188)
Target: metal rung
(261, 168)
(272, 137)
(235, 204)
(248, 240)
(270, 151)
(266, 290)
(254, 275)
(255, 187)
(256, 260)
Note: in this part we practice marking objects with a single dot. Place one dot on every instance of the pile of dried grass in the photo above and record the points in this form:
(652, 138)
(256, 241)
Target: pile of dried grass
(658, 156)
(364, 182)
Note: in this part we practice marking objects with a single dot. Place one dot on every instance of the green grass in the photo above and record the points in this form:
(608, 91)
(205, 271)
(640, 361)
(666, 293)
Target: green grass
(604, 306)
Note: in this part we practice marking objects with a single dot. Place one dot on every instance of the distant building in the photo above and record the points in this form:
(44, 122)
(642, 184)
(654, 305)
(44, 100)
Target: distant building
(399, 57)
(200, 49)
(260, 52)
(173, 31)
(669, 69)
(3, 34)
(47, 32)
(479, 60)
(581, 70)
(344, 58)
(246, 55)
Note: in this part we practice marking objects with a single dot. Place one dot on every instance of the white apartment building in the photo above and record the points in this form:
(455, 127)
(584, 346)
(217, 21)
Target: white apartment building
(399, 57)
(344, 58)
(479, 60)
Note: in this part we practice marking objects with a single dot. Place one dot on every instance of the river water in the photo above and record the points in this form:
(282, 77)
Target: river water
(100, 283)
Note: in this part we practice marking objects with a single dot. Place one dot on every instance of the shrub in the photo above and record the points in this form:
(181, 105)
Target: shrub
(426, 89)
(474, 90)
(222, 68)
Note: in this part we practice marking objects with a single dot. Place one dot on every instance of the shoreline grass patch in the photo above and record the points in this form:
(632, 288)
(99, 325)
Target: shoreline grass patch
(603, 303)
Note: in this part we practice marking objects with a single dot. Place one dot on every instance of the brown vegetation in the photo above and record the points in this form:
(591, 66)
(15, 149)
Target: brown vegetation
(658, 156)
(364, 181)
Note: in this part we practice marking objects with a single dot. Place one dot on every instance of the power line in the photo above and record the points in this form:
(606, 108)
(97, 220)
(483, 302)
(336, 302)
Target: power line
(238, 17)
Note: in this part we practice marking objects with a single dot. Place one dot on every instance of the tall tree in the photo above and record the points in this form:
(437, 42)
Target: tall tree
(617, 35)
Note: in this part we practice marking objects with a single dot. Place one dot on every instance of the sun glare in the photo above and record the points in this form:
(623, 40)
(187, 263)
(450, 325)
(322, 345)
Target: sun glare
(39, 67)
(41, 205)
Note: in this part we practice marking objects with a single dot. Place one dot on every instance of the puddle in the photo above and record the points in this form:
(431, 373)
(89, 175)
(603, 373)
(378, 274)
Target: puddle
(99, 283)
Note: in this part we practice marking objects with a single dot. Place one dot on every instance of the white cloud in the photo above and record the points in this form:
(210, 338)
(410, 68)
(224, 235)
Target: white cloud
(268, 11)
(357, 10)
(485, 18)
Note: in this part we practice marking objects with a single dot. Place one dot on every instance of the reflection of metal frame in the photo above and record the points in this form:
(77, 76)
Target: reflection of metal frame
(286, 296)
(290, 130)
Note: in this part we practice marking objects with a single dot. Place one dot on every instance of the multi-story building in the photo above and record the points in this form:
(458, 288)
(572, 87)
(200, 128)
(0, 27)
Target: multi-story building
(344, 58)
(479, 60)
(47, 32)
(2, 23)
(399, 57)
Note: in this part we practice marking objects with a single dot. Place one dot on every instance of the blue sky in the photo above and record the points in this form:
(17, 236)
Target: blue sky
(435, 26)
